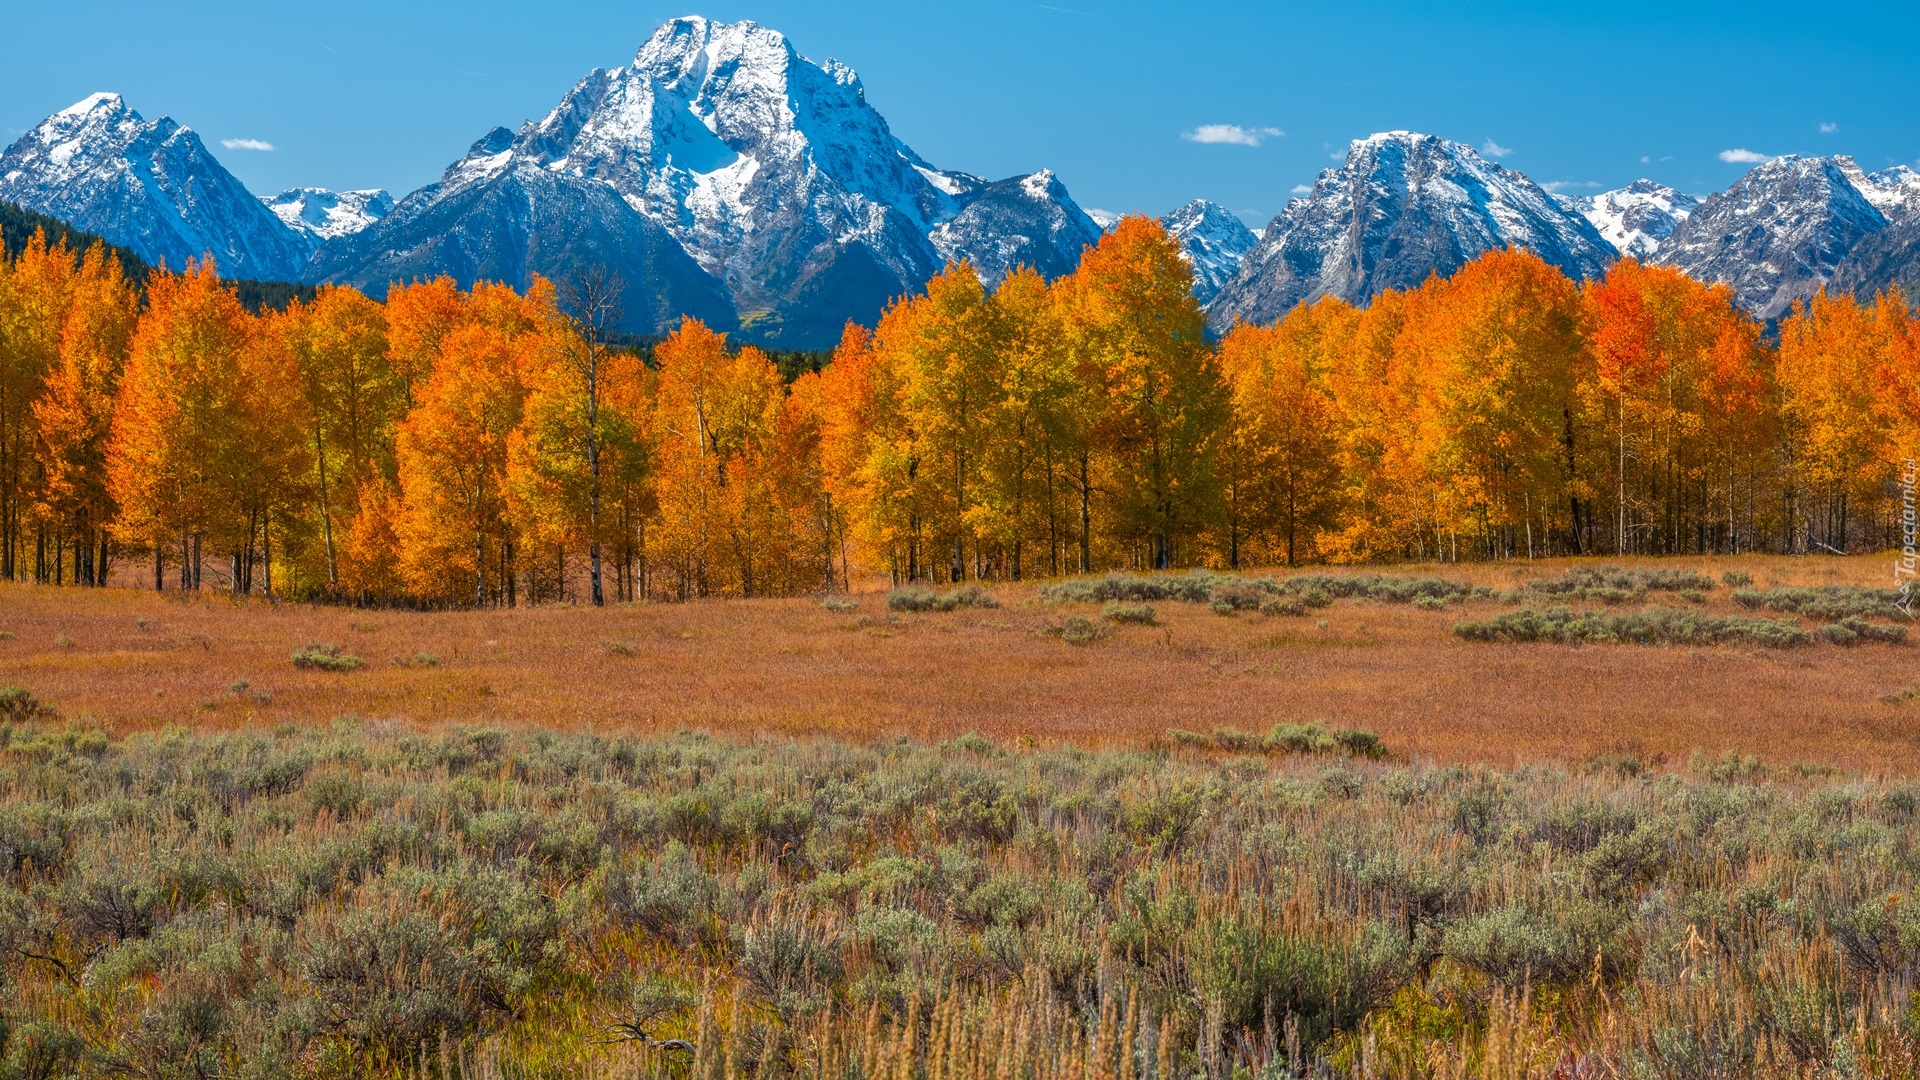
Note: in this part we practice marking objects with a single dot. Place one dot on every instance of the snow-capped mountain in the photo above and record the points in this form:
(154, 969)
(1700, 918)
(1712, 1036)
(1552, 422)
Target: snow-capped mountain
(770, 170)
(1213, 241)
(1023, 221)
(493, 218)
(1635, 218)
(1780, 231)
(1402, 207)
(148, 185)
(322, 215)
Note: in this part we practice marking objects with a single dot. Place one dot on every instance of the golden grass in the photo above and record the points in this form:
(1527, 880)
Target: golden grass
(133, 660)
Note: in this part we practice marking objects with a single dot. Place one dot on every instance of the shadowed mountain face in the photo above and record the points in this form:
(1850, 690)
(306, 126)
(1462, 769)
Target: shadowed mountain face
(489, 220)
(1404, 206)
(147, 185)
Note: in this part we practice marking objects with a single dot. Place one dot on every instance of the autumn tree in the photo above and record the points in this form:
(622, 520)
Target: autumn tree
(207, 430)
(1280, 457)
(1135, 331)
(1830, 350)
(355, 399)
(35, 292)
(452, 452)
(1496, 352)
(74, 414)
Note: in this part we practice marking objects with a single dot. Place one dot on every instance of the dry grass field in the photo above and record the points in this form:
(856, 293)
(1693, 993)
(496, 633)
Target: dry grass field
(133, 660)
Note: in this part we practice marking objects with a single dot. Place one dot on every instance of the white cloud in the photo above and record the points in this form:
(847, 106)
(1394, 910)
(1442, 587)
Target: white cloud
(1742, 157)
(1494, 149)
(1557, 186)
(246, 144)
(1232, 134)
(1303, 189)
(1646, 159)
(1828, 127)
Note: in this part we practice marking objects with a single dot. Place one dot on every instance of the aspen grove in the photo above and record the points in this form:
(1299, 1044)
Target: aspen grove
(452, 447)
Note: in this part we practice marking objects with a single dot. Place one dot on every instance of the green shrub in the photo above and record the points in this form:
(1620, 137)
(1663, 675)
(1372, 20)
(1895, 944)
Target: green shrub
(20, 706)
(1518, 944)
(1853, 629)
(1736, 579)
(840, 605)
(1830, 603)
(1298, 739)
(1284, 605)
(922, 598)
(1658, 626)
(1076, 630)
(1618, 585)
(1138, 614)
(912, 598)
(316, 656)
(1360, 742)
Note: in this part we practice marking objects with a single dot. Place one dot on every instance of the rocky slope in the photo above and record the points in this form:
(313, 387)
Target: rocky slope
(1779, 232)
(148, 185)
(1213, 241)
(1637, 218)
(1402, 207)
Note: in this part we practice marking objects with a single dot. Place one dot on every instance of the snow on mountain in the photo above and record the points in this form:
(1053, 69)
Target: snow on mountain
(148, 185)
(322, 215)
(1022, 221)
(490, 218)
(771, 171)
(1779, 232)
(1402, 207)
(1635, 218)
(1894, 192)
(1106, 219)
(1213, 240)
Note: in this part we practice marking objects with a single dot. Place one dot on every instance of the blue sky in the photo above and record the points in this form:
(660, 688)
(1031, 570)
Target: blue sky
(1107, 93)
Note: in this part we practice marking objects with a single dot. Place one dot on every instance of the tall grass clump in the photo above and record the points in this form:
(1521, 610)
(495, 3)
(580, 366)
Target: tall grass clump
(376, 901)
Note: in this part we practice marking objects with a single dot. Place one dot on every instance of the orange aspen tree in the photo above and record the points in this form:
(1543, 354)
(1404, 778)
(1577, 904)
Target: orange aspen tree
(1284, 438)
(1497, 351)
(843, 398)
(452, 454)
(35, 293)
(354, 401)
(74, 414)
(1830, 349)
(178, 436)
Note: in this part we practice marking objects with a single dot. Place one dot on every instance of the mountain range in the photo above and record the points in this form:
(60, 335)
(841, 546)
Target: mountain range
(723, 175)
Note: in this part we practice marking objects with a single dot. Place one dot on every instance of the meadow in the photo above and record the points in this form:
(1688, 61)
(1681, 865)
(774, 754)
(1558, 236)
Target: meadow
(1165, 827)
(131, 660)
